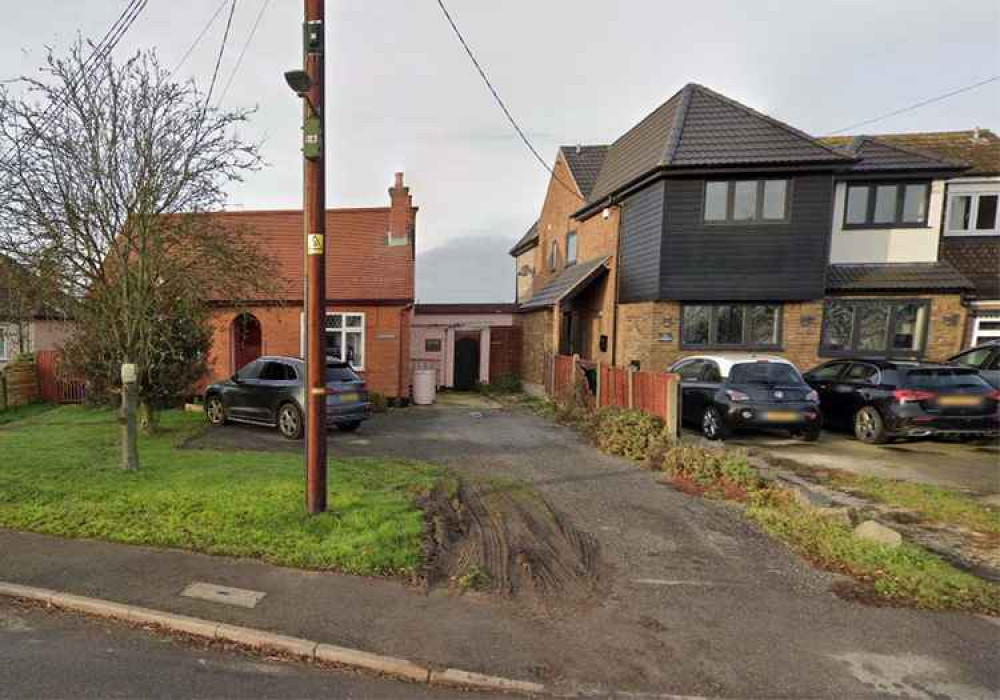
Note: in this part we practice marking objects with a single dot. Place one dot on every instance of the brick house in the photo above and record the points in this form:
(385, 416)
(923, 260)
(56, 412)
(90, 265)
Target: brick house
(370, 290)
(709, 226)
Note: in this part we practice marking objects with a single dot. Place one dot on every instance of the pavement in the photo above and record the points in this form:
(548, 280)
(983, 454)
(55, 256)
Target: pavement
(969, 466)
(85, 657)
(692, 599)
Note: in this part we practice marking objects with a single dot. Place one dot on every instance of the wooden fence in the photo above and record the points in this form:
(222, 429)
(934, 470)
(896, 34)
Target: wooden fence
(600, 385)
(19, 384)
(53, 384)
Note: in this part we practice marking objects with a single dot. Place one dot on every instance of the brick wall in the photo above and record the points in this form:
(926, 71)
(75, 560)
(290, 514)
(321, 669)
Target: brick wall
(387, 332)
(536, 343)
(505, 351)
(649, 332)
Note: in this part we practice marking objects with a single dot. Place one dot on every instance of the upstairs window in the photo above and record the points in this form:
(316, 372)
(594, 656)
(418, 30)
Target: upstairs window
(886, 205)
(746, 201)
(553, 256)
(571, 248)
(751, 326)
(972, 213)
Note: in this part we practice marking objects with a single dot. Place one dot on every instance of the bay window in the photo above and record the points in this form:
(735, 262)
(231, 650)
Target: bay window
(345, 338)
(886, 205)
(751, 326)
(874, 327)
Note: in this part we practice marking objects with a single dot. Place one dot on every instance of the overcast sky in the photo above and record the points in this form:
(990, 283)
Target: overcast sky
(403, 95)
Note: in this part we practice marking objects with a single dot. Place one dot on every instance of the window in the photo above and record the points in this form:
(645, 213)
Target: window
(972, 211)
(250, 371)
(341, 373)
(874, 327)
(886, 205)
(986, 328)
(432, 345)
(553, 256)
(4, 350)
(570, 248)
(730, 325)
(975, 358)
(861, 374)
(744, 201)
(690, 371)
(278, 372)
(827, 373)
(764, 373)
(345, 338)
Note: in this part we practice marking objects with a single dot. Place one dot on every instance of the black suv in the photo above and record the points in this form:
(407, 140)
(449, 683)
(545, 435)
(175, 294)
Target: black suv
(726, 392)
(884, 399)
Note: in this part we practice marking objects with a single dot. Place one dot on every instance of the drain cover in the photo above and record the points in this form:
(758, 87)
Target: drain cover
(240, 597)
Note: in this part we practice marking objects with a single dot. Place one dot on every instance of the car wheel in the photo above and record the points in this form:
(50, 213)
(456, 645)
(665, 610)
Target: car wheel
(349, 427)
(869, 426)
(712, 425)
(806, 435)
(215, 411)
(290, 421)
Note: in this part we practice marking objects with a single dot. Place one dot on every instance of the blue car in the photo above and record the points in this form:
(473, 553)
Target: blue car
(270, 391)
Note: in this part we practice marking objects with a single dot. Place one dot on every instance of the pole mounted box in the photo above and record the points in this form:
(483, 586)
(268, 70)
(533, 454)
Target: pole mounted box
(313, 36)
(312, 138)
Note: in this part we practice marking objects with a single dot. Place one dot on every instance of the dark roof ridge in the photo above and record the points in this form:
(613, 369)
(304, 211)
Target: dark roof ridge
(649, 116)
(771, 120)
(678, 125)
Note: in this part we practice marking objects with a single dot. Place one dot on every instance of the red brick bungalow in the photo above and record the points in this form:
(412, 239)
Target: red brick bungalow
(369, 278)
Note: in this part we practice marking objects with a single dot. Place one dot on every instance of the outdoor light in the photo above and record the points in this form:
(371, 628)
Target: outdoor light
(299, 81)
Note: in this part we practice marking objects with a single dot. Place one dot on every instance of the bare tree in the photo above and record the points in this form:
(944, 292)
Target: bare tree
(111, 169)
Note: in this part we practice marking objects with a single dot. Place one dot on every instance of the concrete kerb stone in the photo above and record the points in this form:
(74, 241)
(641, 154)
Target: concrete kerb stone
(259, 639)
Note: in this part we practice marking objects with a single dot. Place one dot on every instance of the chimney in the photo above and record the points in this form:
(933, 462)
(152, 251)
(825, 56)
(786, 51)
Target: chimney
(400, 214)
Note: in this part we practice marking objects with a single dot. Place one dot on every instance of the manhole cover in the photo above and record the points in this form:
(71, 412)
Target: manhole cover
(227, 595)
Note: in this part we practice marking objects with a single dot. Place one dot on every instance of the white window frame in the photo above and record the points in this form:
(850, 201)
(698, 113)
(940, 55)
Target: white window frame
(980, 335)
(974, 192)
(344, 315)
(5, 341)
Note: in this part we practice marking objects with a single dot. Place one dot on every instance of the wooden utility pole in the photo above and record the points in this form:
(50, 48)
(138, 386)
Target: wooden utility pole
(314, 217)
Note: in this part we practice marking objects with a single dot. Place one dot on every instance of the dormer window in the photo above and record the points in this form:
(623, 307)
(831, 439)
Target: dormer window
(887, 205)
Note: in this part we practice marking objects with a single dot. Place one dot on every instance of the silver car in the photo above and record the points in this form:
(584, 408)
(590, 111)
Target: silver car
(271, 391)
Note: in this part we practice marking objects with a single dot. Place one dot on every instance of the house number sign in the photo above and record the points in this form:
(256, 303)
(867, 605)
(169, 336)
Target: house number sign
(314, 244)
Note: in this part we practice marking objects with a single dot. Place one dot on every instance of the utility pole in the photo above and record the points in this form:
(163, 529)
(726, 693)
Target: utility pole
(314, 218)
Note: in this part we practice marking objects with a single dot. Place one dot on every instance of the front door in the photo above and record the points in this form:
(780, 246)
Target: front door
(247, 339)
(466, 363)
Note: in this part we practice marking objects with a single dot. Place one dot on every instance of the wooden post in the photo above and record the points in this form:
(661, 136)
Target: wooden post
(597, 385)
(673, 408)
(631, 388)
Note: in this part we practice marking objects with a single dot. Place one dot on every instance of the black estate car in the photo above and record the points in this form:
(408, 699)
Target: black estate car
(883, 399)
(985, 358)
(726, 392)
(271, 391)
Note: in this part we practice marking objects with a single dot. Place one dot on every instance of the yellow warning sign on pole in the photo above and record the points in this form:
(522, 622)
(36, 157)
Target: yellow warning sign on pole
(314, 244)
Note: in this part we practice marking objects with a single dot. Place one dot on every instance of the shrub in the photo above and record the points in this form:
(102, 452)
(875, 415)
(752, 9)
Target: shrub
(717, 471)
(504, 384)
(625, 432)
(379, 403)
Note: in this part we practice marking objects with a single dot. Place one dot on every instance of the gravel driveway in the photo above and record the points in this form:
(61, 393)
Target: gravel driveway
(696, 601)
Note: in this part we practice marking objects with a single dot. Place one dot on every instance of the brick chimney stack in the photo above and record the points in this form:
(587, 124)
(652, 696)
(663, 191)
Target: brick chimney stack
(400, 213)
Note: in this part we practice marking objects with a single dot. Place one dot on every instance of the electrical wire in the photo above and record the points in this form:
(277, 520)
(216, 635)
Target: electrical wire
(218, 59)
(201, 35)
(246, 45)
(917, 105)
(500, 102)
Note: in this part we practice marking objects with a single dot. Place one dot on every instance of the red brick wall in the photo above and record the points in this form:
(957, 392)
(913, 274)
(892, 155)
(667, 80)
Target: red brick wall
(387, 335)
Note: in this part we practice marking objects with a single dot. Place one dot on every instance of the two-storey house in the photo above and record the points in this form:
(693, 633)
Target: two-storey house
(369, 284)
(709, 226)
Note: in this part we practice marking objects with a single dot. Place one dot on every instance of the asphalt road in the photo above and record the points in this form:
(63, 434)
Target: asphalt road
(51, 654)
(695, 601)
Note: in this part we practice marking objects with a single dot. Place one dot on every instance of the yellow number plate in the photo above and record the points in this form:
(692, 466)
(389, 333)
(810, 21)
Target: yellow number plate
(348, 398)
(781, 416)
(960, 400)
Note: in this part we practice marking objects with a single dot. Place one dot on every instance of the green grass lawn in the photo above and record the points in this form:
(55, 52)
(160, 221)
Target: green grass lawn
(21, 412)
(59, 475)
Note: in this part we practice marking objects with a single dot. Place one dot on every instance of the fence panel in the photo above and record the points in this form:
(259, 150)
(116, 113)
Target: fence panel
(53, 385)
(562, 375)
(614, 386)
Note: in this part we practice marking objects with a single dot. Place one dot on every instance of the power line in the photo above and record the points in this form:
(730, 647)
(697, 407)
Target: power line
(500, 102)
(246, 45)
(201, 35)
(922, 103)
(222, 50)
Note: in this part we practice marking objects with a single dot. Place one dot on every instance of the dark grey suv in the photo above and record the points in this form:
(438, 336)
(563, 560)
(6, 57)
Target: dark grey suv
(271, 391)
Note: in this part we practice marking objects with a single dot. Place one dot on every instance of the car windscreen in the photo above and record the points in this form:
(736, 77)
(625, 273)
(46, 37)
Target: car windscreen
(341, 373)
(764, 373)
(945, 378)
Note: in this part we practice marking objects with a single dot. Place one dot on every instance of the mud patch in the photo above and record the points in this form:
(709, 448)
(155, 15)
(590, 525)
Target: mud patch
(507, 540)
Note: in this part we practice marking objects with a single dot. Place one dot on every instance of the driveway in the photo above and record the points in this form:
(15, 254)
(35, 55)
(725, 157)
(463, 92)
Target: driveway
(963, 465)
(695, 601)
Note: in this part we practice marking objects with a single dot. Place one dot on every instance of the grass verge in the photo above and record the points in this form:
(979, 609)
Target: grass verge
(59, 475)
(20, 413)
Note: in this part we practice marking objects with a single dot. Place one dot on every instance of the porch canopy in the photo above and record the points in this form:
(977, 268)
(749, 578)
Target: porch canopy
(570, 282)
